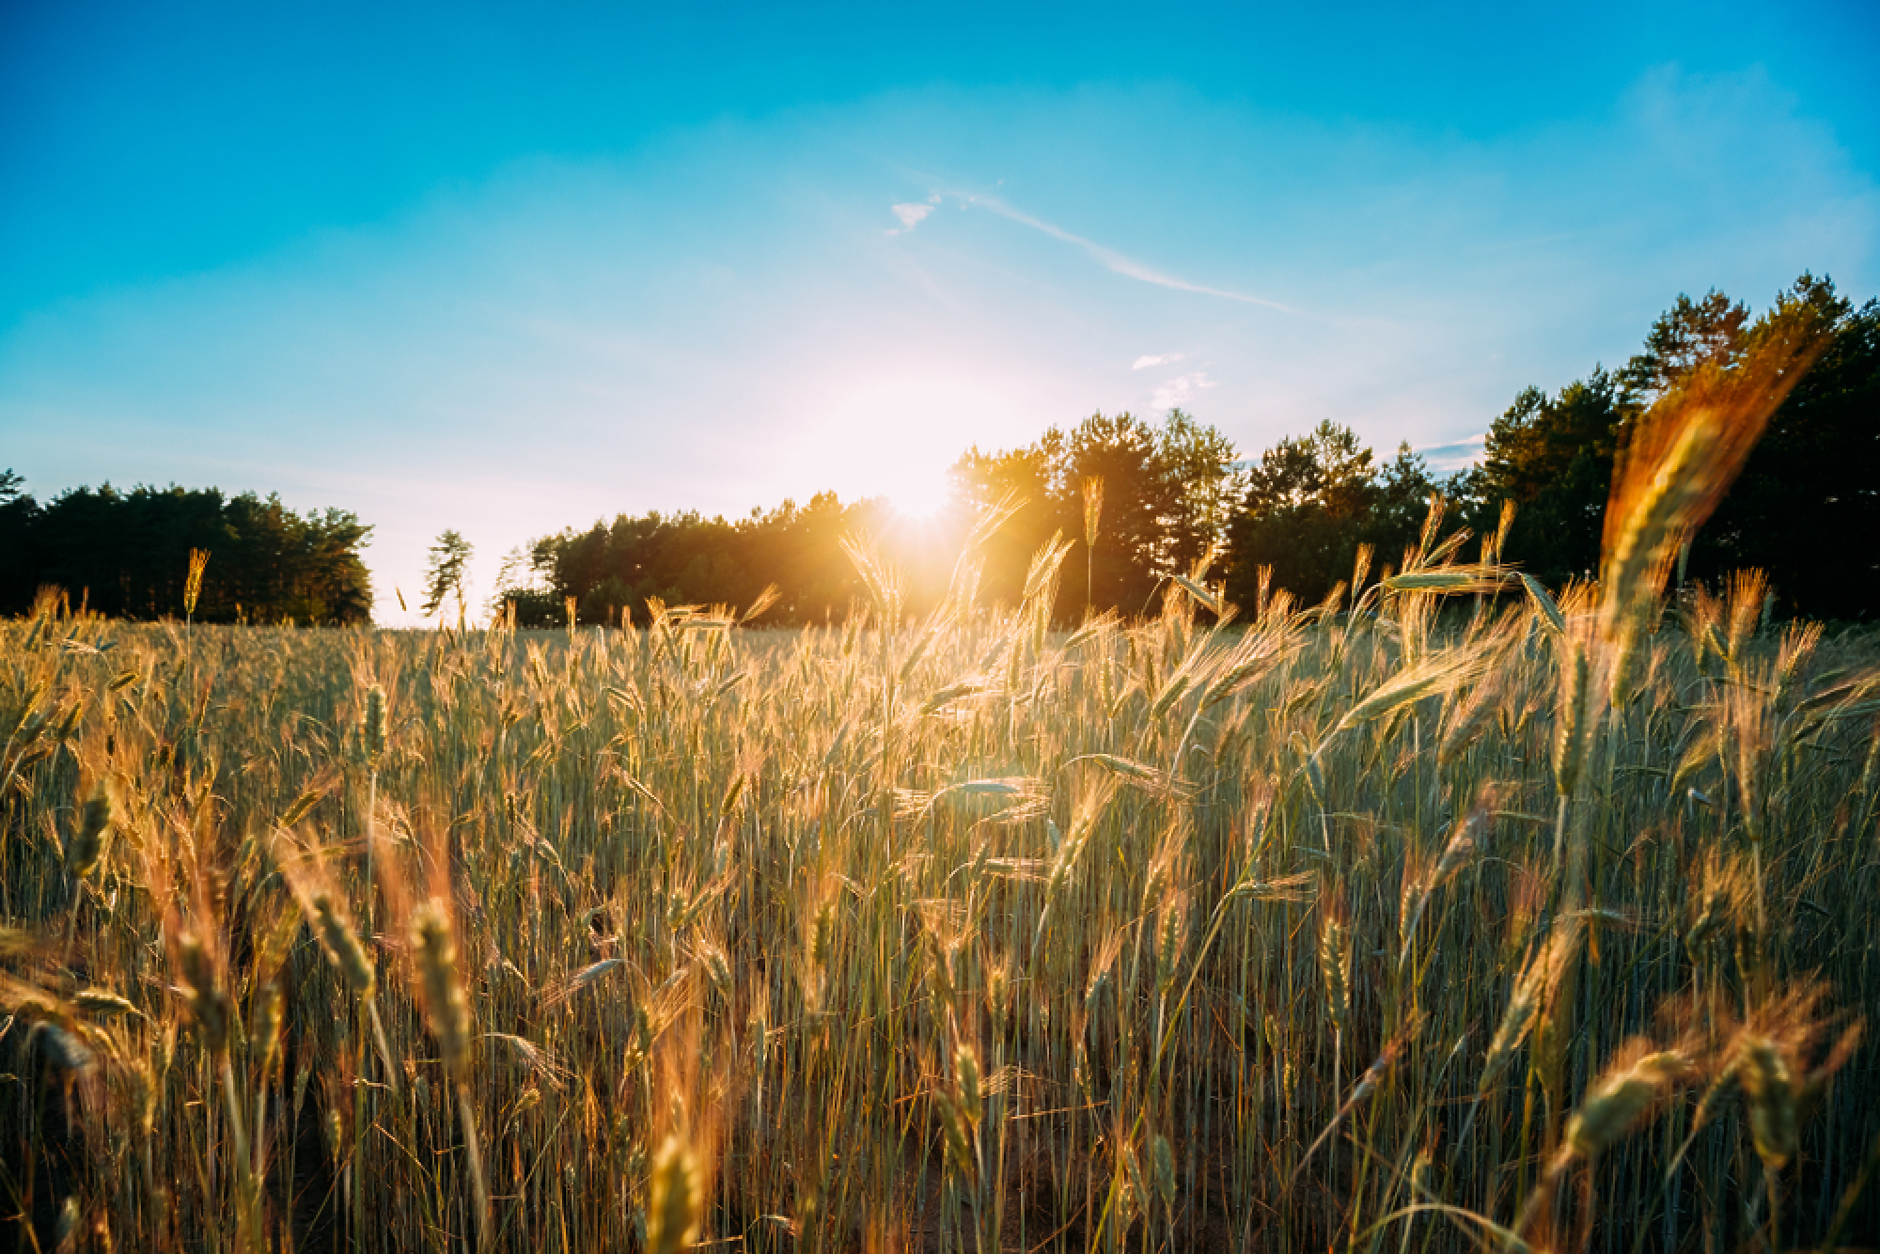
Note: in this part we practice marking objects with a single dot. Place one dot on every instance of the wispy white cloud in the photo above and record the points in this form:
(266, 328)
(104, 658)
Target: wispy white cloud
(1117, 263)
(910, 216)
(1181, 390)
(1454, 456)
(1144, 362)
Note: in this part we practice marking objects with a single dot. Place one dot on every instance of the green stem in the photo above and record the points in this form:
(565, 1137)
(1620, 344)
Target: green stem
(244, 1177)
(475, 1149)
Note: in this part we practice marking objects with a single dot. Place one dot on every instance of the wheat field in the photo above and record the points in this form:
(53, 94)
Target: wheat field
(1433, 921)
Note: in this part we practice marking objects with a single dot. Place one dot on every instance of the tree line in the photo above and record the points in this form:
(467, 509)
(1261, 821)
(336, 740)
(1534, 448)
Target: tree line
(1140, 501)
(1136, 501)
(127, 554)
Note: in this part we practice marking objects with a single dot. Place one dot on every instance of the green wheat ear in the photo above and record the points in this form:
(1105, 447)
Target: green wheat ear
(446, 1009)
(93, 837)
(341, 945)
(208, 1000)
(373, 726)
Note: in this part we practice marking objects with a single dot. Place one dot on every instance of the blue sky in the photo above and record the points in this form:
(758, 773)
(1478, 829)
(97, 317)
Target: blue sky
(461, 266)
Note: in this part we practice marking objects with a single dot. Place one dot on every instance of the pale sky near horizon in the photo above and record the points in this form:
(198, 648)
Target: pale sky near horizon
(448, 268)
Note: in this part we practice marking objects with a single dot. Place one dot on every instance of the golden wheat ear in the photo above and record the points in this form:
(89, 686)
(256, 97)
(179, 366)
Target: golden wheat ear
(192, 586)
(1684, 454)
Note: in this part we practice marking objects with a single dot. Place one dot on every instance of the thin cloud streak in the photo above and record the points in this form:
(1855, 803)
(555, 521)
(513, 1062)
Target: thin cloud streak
(1117, 263)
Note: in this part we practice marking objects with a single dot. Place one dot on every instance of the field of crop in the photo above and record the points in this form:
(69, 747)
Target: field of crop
(1438, 922)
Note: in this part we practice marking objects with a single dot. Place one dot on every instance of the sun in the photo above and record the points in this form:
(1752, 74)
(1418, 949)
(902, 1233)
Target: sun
(919, 497)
